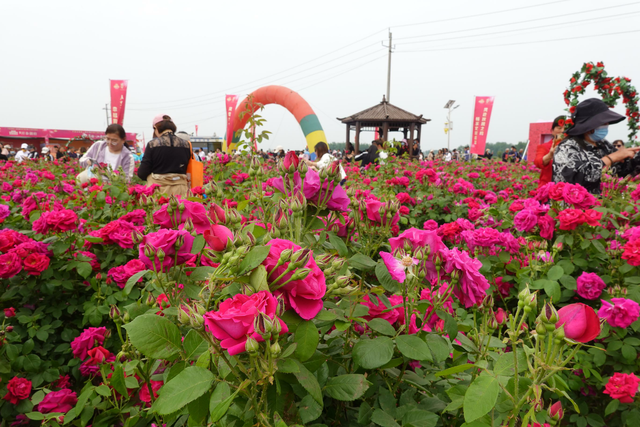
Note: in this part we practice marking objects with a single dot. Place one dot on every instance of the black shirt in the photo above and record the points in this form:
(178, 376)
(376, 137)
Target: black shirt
(163, 155)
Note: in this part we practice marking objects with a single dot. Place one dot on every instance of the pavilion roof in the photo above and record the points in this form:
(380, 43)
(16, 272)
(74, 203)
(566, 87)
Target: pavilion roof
(384, 112)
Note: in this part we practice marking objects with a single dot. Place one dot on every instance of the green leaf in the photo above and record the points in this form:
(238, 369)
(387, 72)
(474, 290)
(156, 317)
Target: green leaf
(419, 418)
(450, 325)
(84, 269)
(361, 262)
(28, 346)
(338, 245)
(201, 273)
(221, 408)
(254, 258)
(552, 289)
(382, 273)
(413, 347)
(371, 354)
(258, 279)
(133, 280)
(629, 352)
(155, 336)
(612, 407)
(347, 387)
(555, 273)
(309, 409)
(199, 409)
(198, 244)
(194, 345)
(186, 387)
(480, 398)
(288, 366)
(569, 282)
(438, 346)
(309, 382)
(506, 364)
(117, 381)
(455, 369)
(383, 419)
(103, 390)
(36, 416)
(220, 394)
(382, 326)
(307, 338)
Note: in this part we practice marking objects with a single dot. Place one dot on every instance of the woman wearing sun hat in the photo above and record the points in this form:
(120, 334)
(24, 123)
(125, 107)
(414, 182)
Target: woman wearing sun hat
(585, 154)
(166, 159)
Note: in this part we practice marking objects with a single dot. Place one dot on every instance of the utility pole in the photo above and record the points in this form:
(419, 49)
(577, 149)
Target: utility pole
(106, 112)
(449, 127)
(391, 47)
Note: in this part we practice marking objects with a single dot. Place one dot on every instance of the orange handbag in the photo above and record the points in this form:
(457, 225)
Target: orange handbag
(195, 170)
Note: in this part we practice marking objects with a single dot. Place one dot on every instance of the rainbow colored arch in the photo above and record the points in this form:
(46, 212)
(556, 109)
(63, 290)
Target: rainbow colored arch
(288, 99)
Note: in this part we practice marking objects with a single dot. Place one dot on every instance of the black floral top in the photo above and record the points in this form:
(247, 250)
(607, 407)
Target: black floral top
(578, 162)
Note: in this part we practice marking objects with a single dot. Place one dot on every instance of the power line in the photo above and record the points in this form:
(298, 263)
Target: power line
(510, 23)
(527, 28)
(344, 72)
(520, 43)
(482, 14)
(283, 71)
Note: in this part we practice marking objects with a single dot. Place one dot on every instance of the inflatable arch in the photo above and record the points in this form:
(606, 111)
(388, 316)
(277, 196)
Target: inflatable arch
(288, 99)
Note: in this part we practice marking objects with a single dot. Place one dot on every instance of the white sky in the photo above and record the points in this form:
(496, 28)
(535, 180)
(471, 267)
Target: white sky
(181, 57)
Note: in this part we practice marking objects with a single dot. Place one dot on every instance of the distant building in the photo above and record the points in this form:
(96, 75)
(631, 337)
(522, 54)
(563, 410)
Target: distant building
(207, 143)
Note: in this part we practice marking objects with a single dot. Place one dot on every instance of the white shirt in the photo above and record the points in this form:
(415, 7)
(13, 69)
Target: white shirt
(111, 158)
(326, 161)
(447, 157)
(21, 155)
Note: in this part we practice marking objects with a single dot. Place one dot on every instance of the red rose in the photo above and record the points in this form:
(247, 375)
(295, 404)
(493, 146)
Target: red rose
(10, 265)
(622, 387)
(556, 191)
(36, 263)
(571, 218)
(632, 252)
(218, 237)
(17, 389)
(9, 312)
(592, 217)
(144, 394)
(290, 159)
(581, 323)
(58, 401)
(97, 355)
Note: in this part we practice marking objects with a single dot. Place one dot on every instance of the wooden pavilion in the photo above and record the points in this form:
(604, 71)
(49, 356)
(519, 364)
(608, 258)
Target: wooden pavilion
(388, 118)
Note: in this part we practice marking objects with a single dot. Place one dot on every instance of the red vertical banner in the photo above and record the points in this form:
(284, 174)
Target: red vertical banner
(196, 130)
(231, 103)
(481, 117)
(118, 100)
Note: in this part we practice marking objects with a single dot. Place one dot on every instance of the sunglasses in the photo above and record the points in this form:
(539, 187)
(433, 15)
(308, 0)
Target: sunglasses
(618, 145)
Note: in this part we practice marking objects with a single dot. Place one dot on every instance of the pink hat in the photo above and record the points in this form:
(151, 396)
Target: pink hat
(157, 119)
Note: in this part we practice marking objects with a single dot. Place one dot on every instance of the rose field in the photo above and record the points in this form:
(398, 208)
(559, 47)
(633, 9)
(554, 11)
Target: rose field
(416, 294)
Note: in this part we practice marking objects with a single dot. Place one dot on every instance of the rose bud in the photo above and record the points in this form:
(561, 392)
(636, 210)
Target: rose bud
(9, 328)
(218, 237)
(275, 349)
(581, 323)
(501, 316)
(291, 162)
(114, 312)
(556, 413)
(549, 315)
(252, 346)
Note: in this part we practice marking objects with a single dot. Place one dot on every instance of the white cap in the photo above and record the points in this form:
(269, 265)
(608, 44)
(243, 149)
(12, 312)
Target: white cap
(45, 150)
(24, 145)
(279, 147)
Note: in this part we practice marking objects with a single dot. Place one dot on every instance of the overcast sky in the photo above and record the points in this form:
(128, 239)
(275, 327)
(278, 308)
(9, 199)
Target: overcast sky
(181, 57)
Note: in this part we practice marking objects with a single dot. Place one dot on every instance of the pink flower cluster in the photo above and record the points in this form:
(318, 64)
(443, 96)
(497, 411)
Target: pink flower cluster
(89, 345)
(19, 252)
(57, 221)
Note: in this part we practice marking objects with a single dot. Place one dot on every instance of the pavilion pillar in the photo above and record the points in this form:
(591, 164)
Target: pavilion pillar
(404, 132)
(412, 128)
(348, 134)
(357, 140)
(385, 131)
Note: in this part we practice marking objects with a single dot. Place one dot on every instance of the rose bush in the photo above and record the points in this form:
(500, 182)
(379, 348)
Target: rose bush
(419, 294)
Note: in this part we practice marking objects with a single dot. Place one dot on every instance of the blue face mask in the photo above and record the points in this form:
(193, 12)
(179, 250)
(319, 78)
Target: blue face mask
(600, 133)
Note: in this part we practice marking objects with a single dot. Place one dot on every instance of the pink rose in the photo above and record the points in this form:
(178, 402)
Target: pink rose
(192, 210)
(398, 266)
(622, 387)
(303, 295)
(87, 339)
(373, 207)
(144, 394)
(590, 285)
(430, 225)
(118, 232)
(234, 321)
(571, 218)
(17, 389)
(622, 313)
(380, 311)
(137, 217)
(166, 240)
(58, 401)
(36, 263)
(9, 312)
(472, 286)
(218, 237)
(10, 265)
(580, 322)
(547, 226)
(134, 266)
(578, 196)
(525, 220)
(119, 275)
(418, 239)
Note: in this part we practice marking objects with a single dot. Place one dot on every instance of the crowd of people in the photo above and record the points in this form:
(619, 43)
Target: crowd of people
(580, 156)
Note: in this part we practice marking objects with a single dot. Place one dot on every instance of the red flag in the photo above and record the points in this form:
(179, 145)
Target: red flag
(231, 101)
(481, 117)
(118, 100)
(196, 130)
